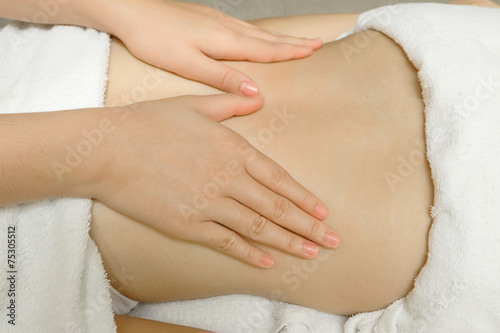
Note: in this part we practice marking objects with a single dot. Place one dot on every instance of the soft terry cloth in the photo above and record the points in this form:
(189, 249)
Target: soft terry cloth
(457, 52)
(57, 282)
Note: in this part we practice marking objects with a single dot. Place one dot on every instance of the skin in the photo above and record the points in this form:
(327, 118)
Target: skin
(355, 119)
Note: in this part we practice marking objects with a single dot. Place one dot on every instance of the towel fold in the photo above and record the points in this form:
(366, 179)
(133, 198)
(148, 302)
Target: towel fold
(55, 281)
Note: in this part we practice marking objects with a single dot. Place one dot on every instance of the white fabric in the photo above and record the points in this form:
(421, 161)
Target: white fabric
(59, 282)
(241, 313)
(120, 303)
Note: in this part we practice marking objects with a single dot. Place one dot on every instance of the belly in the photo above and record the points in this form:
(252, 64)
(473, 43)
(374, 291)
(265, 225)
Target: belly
(351, 129)
(348, 123)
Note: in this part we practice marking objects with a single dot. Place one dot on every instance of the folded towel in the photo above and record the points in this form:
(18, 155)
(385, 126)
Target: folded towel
(55, 280)
(241, 314)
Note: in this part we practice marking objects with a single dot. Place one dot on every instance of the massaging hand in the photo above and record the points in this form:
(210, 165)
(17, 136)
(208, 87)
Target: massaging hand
(176, 170)
(179, 37)
(186, 38)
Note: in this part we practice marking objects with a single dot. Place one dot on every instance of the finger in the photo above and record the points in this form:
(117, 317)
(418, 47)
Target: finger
(280, 210)
(251, 30)
(260, 50)
(271, 175)
(228, 242)
(254, 226)
(220, 107)
(219, 75)
(273, 36)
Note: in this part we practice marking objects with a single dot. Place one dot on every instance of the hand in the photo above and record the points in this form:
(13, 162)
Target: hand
(176, 170)
(186, 38)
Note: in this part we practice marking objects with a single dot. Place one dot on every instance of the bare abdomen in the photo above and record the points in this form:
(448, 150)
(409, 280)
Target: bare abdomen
(348, 127)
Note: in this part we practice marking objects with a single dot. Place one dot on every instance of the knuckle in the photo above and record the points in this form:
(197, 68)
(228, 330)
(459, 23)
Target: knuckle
(308, 197)
(282, 50)
(228, 243)
(259, 226)
(280, 177)
(281, 208)
(250, 255)
(314, 229)
(275, 43)
(226, 78)
(291, 243)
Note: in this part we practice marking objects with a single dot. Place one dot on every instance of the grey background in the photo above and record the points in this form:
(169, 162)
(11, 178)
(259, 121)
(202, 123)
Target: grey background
(248, 9)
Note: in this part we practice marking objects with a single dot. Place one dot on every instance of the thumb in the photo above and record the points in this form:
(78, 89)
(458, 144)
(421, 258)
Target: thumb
(224, 106)
(219, 75)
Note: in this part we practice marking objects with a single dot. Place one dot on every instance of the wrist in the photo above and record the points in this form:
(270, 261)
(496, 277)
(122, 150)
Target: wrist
(74, 12)
(77, 161)
(48, 155)
(96, 14)
(123, 17)
(107, 15)
(89, 158)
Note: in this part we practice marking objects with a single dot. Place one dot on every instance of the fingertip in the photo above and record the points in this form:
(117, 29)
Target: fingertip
(333, 239)
(311, 250)
(303, 51)
(266, 261)
(314, 43)
(246, 105)
(249, 89)
(320, 211)
(317, 43)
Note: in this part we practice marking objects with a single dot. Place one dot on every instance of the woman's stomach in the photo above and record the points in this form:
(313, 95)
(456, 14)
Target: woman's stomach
(348, 123)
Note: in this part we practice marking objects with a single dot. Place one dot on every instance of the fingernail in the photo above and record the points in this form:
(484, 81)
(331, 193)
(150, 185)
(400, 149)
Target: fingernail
(248, 88)
(320, 211)
(333, 239)
(311, 249)
(317, 42)
(267, 260)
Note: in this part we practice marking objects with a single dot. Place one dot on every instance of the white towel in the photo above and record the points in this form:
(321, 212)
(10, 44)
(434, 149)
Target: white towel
(456, 50)
(57, 281)
(241, 314)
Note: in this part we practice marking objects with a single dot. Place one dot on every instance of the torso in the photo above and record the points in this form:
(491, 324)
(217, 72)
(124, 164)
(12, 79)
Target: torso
(352, 131)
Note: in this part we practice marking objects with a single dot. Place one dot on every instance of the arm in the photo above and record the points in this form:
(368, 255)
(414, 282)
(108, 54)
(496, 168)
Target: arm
(75, 12)
(184, 38)
(34, 148)
(126, 324)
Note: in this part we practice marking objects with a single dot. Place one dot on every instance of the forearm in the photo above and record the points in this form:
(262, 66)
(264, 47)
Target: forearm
(50, 154)
(88, 13)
